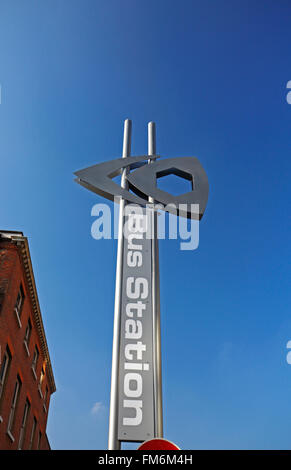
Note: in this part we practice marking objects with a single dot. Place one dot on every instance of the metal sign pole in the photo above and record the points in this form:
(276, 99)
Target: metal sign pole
(136, 411)
(113, 442)
(157, 357)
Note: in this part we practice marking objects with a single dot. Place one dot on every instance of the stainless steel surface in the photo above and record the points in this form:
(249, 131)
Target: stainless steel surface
(157, 358)
(98, 178)
(144, 180)
(113, 442)
(136, 379)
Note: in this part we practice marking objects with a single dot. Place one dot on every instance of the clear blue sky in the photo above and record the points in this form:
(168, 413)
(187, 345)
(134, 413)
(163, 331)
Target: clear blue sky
(213, 76)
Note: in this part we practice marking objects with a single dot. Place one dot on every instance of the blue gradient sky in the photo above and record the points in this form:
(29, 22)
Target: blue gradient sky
(213, 76)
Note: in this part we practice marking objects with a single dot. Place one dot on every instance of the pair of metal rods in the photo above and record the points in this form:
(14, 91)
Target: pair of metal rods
(113, 442)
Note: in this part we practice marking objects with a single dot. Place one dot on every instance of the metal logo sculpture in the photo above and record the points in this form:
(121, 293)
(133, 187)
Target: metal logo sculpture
(136, 385)
(98, 178)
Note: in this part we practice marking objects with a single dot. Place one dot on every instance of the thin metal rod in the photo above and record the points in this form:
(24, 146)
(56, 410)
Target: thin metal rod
(113, 442)
(157, 357)
(151, 138)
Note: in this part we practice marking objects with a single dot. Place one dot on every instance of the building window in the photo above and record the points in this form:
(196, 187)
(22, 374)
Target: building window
(41, 377)
(13, 407)
(4, 367)
(19, 304)
(34, 424)
(34, 361)
(27, 336)
(45, 399)
(41, 381)
(23, 424)
(39, 440)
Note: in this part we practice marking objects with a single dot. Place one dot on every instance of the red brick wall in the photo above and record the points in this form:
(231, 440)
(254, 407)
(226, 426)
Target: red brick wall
(11, 275)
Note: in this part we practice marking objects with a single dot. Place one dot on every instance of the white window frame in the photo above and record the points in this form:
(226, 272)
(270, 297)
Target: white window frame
(45, 399)
(4, 368)
(19, 305)
(17, 317)
(23, 424)
(34, 425)
(27, 336)
(16, 393)
(34, 361)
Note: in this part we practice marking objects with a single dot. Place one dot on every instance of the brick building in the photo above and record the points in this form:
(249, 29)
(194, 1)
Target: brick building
(26, 376)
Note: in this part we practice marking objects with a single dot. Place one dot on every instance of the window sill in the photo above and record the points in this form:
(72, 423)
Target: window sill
(34, 373)
(26, 348)
(18, 318)
(10, 435)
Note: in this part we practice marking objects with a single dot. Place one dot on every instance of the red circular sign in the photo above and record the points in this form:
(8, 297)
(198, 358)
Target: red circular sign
(158, 444)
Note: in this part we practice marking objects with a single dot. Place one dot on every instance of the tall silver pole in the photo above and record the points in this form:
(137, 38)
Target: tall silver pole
(113, 442)
(157, 359)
